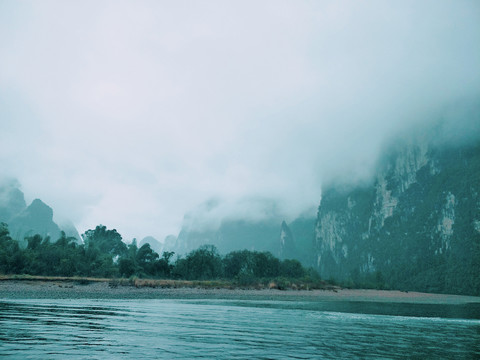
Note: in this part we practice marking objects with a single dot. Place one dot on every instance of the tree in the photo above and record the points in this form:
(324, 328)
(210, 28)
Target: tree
(203, 263)
(34, 242)
(146, 255)
(65, 241)
(292, 268)
(163, 266)
(238, 263)
(11, 257)
(265, 265)
(126, 267)
(146, 258)
(107, 241)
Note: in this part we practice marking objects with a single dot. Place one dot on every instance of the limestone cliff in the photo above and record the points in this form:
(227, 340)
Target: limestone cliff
(286, 241)
(23, 220)
(37, 218)
(415, 226)
(232, 235)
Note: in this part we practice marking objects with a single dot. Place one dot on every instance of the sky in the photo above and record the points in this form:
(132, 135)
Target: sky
(133, 113)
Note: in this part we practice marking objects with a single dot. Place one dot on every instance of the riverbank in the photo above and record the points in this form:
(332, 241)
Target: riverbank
(67, 289)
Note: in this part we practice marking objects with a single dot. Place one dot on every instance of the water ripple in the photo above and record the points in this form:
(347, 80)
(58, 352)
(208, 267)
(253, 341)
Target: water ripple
(181, 329)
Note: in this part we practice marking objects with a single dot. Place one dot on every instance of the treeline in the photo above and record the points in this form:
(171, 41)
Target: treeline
(104, 254)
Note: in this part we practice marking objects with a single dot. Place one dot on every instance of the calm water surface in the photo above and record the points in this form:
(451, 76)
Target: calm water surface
(226, 329)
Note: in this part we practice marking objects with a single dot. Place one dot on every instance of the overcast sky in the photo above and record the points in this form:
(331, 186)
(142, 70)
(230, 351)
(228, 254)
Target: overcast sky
(132, 113)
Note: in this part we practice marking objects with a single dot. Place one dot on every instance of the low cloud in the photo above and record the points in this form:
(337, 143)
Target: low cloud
(131, 114)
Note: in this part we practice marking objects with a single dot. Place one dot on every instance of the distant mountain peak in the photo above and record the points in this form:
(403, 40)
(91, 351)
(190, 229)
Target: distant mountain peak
(23, 220)
(12, 201)
(39, 209)
(154, 244)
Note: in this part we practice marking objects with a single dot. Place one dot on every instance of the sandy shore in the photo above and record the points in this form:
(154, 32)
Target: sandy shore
(13, 289)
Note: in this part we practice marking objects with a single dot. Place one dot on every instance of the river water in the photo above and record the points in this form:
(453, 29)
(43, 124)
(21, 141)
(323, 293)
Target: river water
(230, 329)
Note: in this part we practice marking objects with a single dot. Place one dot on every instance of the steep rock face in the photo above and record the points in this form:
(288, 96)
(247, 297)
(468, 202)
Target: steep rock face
(255, 224)
(445, 222)
(155, 245)
(303, 229)
(415, 227)
(232, 235)
(23, 220)
(399, 173)
(287, 241)
(12, 201)
(37, 218)
(70, 230)
(169, 243)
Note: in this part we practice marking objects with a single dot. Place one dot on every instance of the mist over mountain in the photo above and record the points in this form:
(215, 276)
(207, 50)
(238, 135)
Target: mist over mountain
(413, 223)
(36, 218)
(416, 224)
(132, 113)
(12, 201)
(253, 223)
(155, 245)
(230, 123)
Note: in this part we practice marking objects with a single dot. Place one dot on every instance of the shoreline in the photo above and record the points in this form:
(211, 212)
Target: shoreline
(71, 289)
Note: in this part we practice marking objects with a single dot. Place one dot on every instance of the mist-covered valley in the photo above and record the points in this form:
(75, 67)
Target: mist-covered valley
(240, 179)
(412, 224)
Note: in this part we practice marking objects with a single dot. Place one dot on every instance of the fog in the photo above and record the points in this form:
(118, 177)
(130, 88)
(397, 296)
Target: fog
(133, 113)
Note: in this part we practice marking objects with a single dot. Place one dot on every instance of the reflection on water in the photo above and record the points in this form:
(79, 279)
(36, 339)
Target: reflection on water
(235, 329)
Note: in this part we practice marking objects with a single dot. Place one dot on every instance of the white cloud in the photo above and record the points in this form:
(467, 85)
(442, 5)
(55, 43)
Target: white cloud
(131, 113)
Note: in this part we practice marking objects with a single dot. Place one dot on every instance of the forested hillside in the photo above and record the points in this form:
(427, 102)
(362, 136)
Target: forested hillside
(105, 255)
(415, 227)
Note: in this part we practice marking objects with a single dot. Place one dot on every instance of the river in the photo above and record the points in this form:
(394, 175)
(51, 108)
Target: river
(231, 329)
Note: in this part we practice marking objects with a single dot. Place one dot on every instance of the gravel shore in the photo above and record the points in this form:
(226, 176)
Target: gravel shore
(13, 289)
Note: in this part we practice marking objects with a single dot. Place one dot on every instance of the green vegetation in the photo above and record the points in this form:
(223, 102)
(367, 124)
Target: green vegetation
(105, 255)
(430, 241)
